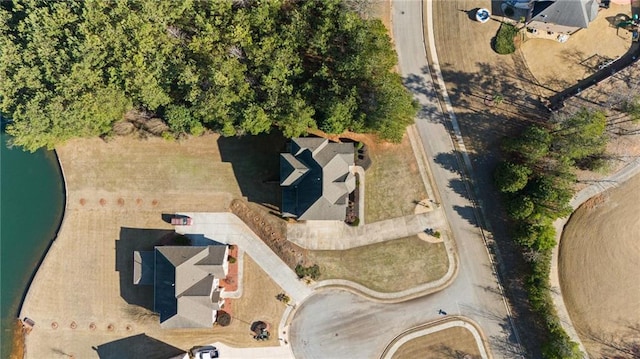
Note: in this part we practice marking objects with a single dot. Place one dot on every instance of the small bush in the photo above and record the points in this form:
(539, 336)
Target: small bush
(504, 39)
(196, 129)
(223, 318)
(632, 108)
(168, 136)
(312, 272)
(355, 222)
(231, 259)
(437, 234)
(283, 298)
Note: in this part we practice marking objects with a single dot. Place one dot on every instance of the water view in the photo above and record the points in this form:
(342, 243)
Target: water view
(31, 206)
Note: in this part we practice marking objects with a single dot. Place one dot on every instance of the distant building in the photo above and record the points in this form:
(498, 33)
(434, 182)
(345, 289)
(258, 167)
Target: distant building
(316, 179)
(185, 282)
(561, 16)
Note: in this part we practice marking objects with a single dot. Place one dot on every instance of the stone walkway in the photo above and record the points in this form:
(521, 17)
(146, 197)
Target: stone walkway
(337, 235)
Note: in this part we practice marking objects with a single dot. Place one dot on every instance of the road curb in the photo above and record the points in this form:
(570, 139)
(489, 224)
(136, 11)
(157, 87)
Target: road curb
(445, 323)
(401, 296)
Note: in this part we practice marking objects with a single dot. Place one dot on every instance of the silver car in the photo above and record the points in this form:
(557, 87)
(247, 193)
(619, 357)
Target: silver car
(206, 352)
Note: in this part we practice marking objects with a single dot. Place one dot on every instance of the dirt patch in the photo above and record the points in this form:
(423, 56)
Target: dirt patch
(456, 342)
(599, 271)
(595, 201)
(272, 231)
(18, 333)
(389, 266)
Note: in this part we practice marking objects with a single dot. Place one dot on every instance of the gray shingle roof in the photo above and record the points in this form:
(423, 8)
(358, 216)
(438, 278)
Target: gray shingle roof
(572, 13)
(315, 179)
(184, 284)
(293, 169)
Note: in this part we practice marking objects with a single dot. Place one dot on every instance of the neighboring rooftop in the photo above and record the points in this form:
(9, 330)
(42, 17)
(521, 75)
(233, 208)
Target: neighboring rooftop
(566, 15)
(316, 180)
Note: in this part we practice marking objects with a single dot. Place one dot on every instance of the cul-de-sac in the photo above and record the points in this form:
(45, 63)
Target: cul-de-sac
(305, 179)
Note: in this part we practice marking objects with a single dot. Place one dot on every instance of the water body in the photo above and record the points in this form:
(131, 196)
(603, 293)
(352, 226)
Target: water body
(31, 207)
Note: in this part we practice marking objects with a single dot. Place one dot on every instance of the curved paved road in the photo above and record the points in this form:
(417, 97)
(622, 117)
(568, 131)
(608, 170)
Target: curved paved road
(338, 324)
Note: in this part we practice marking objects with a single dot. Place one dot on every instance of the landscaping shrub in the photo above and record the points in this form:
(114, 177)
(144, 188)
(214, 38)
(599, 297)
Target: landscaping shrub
(504, 39)
(312, 272)
(231, 259)
(283, 298)
(223, 318)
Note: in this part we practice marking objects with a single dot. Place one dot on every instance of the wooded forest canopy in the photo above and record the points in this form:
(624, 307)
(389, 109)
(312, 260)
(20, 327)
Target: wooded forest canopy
(80, 67)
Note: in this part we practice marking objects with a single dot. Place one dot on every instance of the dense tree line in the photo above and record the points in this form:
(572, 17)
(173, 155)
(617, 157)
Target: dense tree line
(536, 181)
(75, 68)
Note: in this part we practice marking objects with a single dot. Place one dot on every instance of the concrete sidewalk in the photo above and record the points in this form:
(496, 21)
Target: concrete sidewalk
(337, 235)
(227, 352)
(227, 228)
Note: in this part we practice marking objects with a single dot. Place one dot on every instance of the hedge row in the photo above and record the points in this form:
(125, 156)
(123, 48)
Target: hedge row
(537, 182)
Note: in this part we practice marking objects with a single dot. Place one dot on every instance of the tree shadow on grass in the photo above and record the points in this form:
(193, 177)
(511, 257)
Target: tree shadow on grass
(138, 346)
(447, 352)
(256, 165)
(136, 239)
(621, 344)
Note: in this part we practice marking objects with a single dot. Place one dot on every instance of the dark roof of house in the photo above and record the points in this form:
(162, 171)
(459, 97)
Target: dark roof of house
(572, 13)
(184, 291)
(315, 179)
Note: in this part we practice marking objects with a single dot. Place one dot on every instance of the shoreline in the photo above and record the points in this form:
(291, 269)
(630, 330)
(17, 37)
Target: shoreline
(19, 315)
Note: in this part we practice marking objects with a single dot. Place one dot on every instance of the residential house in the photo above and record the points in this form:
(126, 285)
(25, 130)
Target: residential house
(316, 179)
(561, 16)
(186, 282)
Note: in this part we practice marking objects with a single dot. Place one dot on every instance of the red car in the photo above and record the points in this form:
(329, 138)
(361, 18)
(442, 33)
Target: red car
(181, 221)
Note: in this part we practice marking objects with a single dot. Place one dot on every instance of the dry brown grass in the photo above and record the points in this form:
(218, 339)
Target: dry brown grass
(580, 56)
(386, 267)
(258, 302)
(393, 181)
(456, 342)
(153, 164)
(599, 270)
(121, 188)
